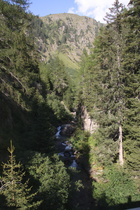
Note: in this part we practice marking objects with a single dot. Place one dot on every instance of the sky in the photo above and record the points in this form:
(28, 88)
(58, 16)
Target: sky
(92, 8)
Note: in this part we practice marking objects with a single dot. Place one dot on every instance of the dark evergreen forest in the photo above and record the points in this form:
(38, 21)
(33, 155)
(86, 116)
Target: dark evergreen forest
(37, 96)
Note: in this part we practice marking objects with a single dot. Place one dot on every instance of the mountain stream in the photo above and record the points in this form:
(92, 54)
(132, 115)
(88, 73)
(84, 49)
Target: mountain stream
(65, 147)
(81, 199)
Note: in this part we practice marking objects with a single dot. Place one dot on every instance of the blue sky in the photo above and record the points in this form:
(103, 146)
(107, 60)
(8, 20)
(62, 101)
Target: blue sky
(46, 7)
(91, 8)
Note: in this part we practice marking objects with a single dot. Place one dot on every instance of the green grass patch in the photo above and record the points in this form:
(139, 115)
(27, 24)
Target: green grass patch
(68, 63)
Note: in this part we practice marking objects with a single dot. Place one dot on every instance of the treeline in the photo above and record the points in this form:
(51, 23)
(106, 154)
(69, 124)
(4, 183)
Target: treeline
(109, 90)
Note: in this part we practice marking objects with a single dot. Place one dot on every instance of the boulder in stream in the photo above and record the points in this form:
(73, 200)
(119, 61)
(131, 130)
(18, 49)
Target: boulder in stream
(67, 130)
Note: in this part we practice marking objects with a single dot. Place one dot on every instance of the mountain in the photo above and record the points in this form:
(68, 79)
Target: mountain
(66, 35)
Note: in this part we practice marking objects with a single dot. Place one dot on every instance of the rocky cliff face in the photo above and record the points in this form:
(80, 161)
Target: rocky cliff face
(88, 123)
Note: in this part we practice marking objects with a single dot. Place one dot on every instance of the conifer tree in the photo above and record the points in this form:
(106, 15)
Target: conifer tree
(114, 21)
(112, 70)
(131, 65)
(17, 193)
(19, 62)
(54, 181)
(108, 88)
(22, 3)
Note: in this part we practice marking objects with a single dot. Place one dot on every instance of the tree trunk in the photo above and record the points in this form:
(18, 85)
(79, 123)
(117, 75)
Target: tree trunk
(121, 160)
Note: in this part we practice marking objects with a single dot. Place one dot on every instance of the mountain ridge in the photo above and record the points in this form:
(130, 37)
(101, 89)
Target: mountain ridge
(68, 34)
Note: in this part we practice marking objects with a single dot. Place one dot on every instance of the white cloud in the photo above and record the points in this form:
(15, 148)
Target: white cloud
(94, 8)
(71, 10)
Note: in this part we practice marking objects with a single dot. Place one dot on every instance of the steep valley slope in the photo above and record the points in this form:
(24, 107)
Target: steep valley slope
(65, 35)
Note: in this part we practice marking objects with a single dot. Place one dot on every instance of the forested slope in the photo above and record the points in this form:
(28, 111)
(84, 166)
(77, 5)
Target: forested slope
(66, 36)
(39, 90)
(27, 117)
(21, 85)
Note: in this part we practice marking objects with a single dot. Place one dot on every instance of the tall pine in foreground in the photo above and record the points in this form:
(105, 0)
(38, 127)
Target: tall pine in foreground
(17, 193)
(131, 64)
(116, 72)
(114, 101)
(108, 98)
(112, 70)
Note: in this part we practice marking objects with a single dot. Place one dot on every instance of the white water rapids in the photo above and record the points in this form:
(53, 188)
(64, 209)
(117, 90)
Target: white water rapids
(68, 152)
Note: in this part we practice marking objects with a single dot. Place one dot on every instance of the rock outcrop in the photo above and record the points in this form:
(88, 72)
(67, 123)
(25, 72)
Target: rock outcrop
(88, 123)
(67, 130)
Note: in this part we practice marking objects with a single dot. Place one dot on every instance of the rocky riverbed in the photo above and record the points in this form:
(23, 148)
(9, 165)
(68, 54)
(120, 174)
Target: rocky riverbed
(64, 147)
(81, 199)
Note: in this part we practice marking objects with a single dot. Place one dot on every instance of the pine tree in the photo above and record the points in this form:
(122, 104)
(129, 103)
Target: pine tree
(131, 65)
(17, 193)
(107, 84)
(21, 3)
(54, 181)
(19, 62)
(112, 70)
(58, 87)
(114, 22)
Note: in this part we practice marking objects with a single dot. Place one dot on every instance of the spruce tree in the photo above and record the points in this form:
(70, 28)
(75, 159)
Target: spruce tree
(107, 91)
(117, 74)
(19, 62)
(54, 181)
(112, 70)
(131, 65)
(17, 193)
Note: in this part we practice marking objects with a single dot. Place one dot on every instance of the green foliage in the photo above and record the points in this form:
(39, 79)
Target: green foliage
(117, 187)
(33, 100)
(54, 180)
(42, 128)
(107, 152)
(57, 107)
(37, 28)
(67, 62)
(80, 141)
(79, 185)
(112, 98)
(17, 193)
(26, 115)
(131, 65)
(92, 143)
(19, 68)
(57, 76)
(59, 87)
